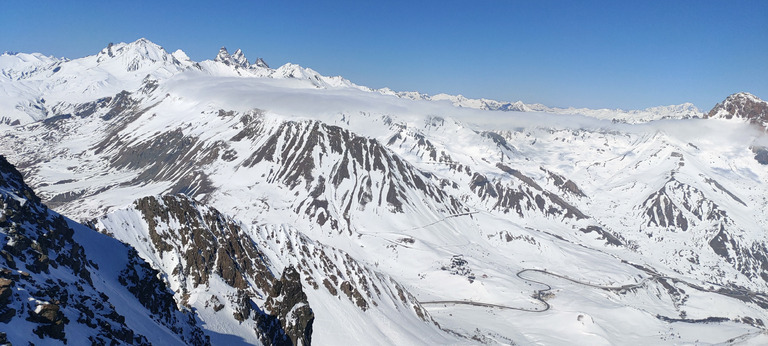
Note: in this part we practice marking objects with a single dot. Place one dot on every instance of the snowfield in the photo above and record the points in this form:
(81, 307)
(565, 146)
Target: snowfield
(456, 221)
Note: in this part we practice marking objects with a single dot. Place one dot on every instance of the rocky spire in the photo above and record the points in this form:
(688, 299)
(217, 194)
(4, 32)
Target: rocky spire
(236, 59)
(261, 63)
(239, 59)
(223, 56)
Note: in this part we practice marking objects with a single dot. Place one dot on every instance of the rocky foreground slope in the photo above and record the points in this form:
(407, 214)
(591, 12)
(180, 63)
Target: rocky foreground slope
(63, 281)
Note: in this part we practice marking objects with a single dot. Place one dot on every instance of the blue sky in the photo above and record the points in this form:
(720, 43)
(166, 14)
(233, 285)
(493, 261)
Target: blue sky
(614, 54)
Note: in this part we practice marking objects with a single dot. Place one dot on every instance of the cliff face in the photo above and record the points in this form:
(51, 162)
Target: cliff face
(287, 304)
(199, 249)
(52, 286)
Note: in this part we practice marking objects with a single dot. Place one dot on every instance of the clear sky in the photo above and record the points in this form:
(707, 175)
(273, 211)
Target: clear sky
(615, 54)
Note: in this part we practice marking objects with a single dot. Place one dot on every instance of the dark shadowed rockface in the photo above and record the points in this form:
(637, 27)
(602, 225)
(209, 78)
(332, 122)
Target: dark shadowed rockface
(287, 303)
(208, 244)
(46, 278)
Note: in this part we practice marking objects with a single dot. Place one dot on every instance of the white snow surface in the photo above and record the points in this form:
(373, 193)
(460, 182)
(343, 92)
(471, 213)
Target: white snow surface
(619, 166)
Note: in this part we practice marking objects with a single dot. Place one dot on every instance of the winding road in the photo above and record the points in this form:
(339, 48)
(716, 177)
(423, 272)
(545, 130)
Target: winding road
(538, 293)
(536, 296)
(741, 294)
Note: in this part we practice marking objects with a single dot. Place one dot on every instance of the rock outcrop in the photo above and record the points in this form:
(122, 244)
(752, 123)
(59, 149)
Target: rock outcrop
(50, 287)
(287, 304)
(742, 105)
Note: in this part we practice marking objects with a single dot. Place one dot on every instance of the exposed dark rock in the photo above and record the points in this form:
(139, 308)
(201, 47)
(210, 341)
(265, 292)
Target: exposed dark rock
(607, 236)
(295, 149)
(750, 259)
(354, 295)
(522, 198)
(719, 244)
(564, 184)
(243, 306)
(723, 189)
(671, 208)
(39, 240)
(119, 104)
(169, 157)
(662, 211)
(261, 63)
(5, 289)
(742, 105)
(208, 242)
(458, 266)
(6, 314)
(52, 120)
(761, 154)
(497, 138)
(51, 320)
(288, 303)
(252, 123)
(517, 174)
(691, 320)
(142, 281)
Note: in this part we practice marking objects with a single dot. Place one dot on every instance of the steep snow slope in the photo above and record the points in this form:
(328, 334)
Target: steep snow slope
(218, 266)
(655, 225)
(49, 87)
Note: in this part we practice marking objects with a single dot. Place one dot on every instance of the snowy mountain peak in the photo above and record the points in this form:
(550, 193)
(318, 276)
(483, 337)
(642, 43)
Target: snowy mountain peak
(18, 65)
(134, 56)
(742, 105)
(237, 59)
(180, 55)
(223, 55)
(261, 63)
(142, 47)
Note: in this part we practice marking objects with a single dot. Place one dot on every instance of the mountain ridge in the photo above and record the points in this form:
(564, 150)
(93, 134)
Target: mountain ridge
(410, 221)
(56, 284)
(142, 53)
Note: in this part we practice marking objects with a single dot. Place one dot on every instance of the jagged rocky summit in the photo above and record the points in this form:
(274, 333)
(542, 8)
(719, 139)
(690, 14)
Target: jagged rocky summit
(742, 106)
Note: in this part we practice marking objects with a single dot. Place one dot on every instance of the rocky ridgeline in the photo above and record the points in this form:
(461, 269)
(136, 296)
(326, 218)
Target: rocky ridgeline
(745, 106)
(195, 245)
(298, 154)
(287, 305)
(47, 281)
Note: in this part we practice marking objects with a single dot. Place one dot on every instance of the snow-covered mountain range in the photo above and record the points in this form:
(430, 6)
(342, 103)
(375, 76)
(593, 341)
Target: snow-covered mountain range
(280, 206)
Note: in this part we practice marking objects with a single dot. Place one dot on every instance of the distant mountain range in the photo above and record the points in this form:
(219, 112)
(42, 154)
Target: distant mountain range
(227, 202)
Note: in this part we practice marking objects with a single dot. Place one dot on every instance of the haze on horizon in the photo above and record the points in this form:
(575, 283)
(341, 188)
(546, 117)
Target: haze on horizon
(595, 54)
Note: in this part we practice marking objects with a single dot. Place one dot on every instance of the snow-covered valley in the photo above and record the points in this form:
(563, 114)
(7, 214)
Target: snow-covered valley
(390, 217)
